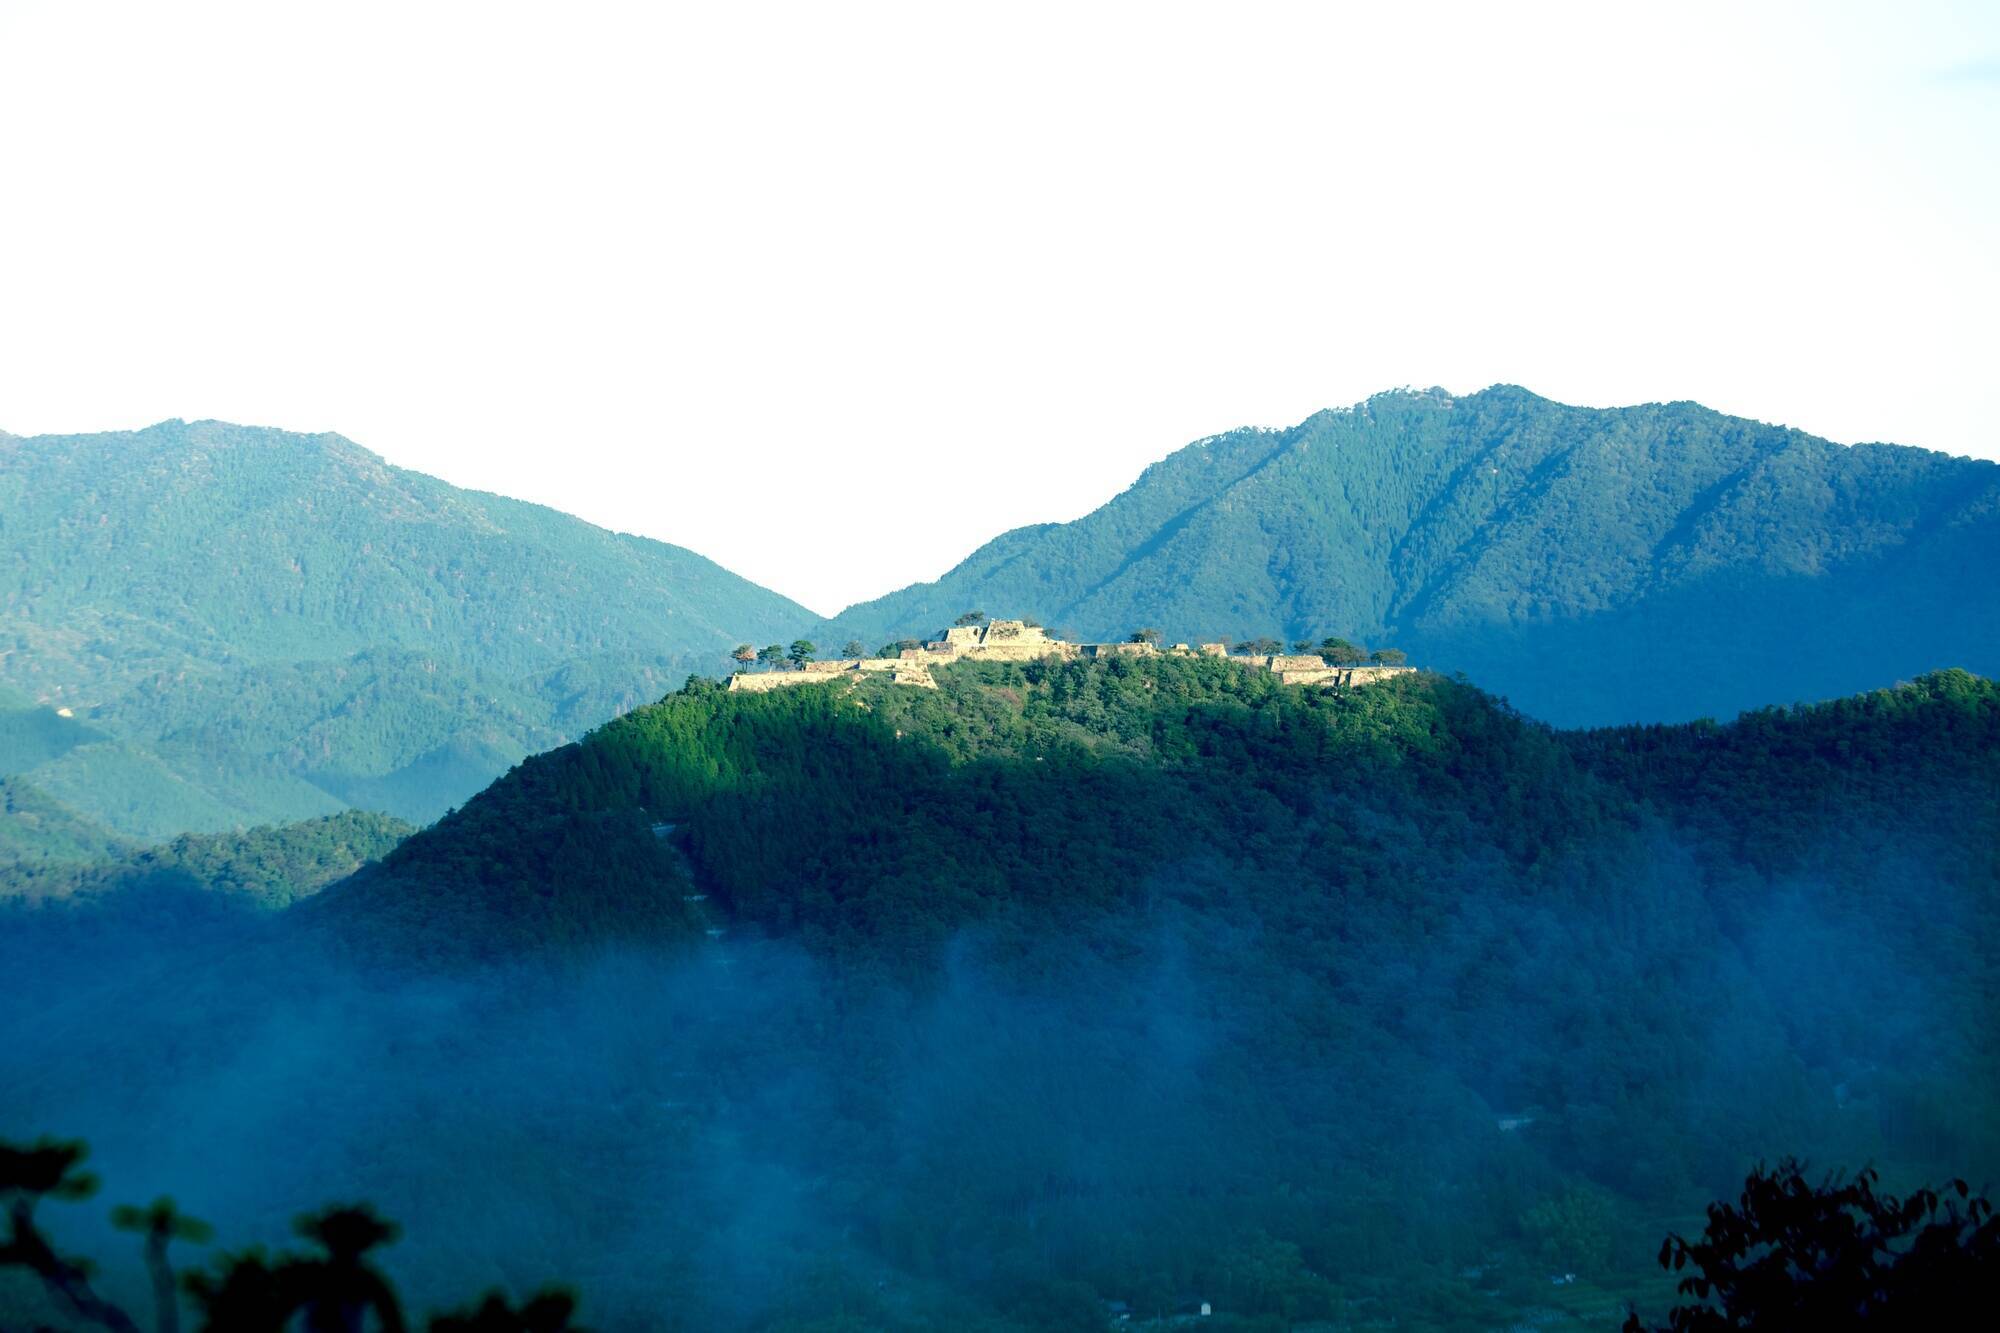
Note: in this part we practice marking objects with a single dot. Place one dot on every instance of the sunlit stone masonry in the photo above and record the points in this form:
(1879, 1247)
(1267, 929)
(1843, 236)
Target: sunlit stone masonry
(1019, 641)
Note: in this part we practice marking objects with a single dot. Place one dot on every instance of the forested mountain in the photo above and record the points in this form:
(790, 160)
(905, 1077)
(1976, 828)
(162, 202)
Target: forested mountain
(1637, 564)
(35, 829)
(258, 869)
(247, 624)
(1150, 981)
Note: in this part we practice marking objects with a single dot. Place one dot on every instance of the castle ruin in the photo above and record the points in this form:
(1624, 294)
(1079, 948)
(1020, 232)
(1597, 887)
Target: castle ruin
(1019, 641)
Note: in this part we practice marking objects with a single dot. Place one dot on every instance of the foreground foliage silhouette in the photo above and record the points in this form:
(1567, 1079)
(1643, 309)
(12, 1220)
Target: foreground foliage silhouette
(335, 1290)
(1789, 1256)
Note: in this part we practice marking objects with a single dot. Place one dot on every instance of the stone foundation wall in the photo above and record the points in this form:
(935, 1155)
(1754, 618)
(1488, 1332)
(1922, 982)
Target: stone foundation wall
(1016, 641)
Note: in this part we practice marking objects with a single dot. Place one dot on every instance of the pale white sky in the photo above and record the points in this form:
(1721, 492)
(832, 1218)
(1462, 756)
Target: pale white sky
(834, 292)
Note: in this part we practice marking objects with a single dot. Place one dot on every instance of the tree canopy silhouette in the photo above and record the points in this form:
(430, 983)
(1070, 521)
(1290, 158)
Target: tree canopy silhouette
(1787, 1255)
(335, 1289)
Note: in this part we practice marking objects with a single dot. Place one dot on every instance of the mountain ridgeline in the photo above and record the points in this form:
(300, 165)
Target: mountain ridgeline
(1143, 980)
(1065, 990)
(206, 626)
(1649, 563)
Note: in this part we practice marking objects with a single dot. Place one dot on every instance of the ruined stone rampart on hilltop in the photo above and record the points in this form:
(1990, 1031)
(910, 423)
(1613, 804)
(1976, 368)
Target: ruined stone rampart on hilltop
(1018, 641)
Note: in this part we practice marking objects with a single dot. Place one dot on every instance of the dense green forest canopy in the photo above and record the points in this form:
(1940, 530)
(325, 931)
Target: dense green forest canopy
(249, 625)
(36, 829)
(1651, 563)
(264, 868)
(1148, 981)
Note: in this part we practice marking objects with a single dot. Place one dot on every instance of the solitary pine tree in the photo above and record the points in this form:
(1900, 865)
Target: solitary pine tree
(1341, 652)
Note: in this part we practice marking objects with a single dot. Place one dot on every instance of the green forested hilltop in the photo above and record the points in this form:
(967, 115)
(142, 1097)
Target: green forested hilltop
(1643, 563)
(1141, 980)
(261, 624)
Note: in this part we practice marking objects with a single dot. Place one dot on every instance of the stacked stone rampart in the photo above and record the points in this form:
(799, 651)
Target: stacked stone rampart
(1018, 641)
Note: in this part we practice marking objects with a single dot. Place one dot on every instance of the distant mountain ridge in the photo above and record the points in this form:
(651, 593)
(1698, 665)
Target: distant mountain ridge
(1594, 565)
(250, 625)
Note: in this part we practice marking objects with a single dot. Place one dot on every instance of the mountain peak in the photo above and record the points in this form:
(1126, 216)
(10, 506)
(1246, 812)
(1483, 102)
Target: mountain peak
(1685, 556)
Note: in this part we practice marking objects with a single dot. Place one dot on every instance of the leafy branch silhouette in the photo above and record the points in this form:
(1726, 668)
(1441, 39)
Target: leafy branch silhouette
(334, 1288)
(1843, 1255)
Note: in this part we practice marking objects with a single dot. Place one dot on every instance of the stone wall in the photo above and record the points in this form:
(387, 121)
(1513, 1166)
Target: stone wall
(758, 682)
(1018, 641)
(1368, 675)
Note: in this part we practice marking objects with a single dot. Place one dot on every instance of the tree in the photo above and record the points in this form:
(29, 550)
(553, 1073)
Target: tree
(1268, 1276)
(1263, 647)
(339, 1291)
(1573, 1230)
(898, 648)
(971, 618)
(1147, 635)
(334, 1291)
(800, 653)
(162, 1224)
(1388, 657)
(743, 654)
(1302, 646)
(1788, 1256)
(48, 1169)
(547, 1311)
(853, 648)
(1341, 652)
(771, 654)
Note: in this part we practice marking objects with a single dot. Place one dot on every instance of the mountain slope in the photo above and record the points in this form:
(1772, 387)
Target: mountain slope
(260, 869)
(1653, 562)
(1142, 980)
(36, 831)
(269, 625)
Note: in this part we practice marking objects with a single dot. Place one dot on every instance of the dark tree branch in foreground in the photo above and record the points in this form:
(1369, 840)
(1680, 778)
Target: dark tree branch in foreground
(162, 1224)
(338, 1290)
(1788, 1256)
(47, 1169)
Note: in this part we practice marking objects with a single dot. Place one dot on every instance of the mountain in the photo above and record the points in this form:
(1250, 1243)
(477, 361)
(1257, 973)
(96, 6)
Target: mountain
(257, 869)
(36, 830)
(1151, 981)
(1646, 563)
(205, 626)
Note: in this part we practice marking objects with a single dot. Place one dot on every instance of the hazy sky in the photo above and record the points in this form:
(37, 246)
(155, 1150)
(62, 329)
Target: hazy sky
(834, 292)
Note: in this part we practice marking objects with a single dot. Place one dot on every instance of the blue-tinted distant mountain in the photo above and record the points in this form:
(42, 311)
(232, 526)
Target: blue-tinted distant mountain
(207, 626)
(1655, 562)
